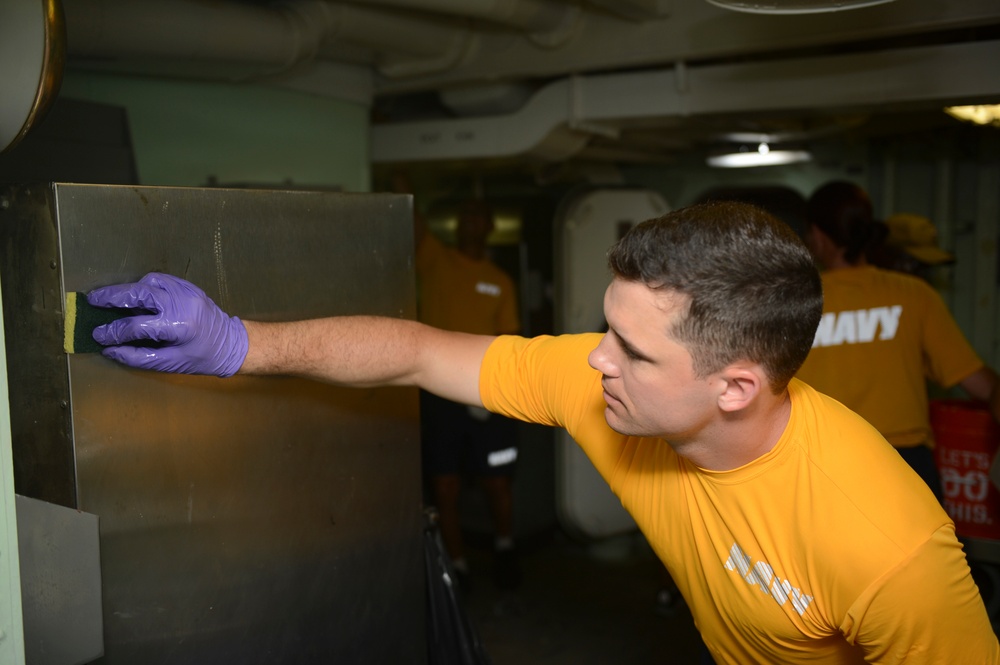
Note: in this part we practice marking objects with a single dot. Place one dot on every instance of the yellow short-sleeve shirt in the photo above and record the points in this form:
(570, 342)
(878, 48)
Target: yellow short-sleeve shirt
(882, 336)
(799, 556)
(458, 293)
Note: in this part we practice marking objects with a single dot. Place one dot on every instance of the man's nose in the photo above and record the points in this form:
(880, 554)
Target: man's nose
(600, 360)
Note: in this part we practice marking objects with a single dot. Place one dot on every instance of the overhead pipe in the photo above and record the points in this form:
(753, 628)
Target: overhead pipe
(544, 22)
(186, 28)
(405, 45)
(636, 10)
(525, 15)
(267, 39)
(587, 105)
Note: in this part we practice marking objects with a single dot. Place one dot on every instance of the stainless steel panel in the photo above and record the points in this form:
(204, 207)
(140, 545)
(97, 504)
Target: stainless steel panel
(36, 366)
(60, 582)
(248, 519)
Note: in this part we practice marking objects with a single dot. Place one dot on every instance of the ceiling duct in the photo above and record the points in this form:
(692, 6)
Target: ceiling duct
(231, 40)
(578, 110)
(533, 16)
(481, 100)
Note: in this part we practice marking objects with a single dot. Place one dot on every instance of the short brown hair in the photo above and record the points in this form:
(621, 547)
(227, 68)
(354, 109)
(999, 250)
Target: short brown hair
(752, 287)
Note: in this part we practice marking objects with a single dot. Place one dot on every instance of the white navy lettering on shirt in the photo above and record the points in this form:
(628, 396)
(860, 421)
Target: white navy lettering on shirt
(858, 326)
(488, 289)
(762, 576)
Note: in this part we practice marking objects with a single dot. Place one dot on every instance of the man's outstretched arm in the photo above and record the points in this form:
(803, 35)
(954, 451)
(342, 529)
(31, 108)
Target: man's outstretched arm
(370, 351)
(178, 328)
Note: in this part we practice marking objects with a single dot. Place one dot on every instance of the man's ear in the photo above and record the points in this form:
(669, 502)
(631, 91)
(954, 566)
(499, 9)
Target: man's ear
(742, 385)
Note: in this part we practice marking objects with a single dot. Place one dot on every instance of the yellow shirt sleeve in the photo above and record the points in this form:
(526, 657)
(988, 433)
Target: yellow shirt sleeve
(547, 380)
(950, 357)
(532, 379)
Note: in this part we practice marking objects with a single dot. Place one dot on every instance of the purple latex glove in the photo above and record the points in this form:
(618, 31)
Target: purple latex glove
(191, 334)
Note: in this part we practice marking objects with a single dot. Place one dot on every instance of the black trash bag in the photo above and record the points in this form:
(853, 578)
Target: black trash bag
(451, 639)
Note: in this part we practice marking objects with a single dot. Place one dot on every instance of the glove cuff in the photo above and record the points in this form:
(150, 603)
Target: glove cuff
(239, 345)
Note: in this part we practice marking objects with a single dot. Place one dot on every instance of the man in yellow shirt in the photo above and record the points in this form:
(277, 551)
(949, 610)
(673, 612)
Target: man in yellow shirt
(883, 333)
(461, 289)
(745, 481)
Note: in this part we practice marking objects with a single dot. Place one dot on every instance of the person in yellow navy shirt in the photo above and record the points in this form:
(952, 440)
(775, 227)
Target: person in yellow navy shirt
(883, 333)
(459, 288)
(774, 507)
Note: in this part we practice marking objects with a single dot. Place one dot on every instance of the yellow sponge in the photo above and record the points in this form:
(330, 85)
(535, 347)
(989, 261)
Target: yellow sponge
(81, 319)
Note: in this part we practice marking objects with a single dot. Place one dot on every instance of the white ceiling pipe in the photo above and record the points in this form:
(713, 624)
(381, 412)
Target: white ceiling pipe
(274, 36)
(636, 10)
(403, 45)
(527, 15)
(696, 31)
(521, 132)
(937, 74)
(180, 28)
(395, 33)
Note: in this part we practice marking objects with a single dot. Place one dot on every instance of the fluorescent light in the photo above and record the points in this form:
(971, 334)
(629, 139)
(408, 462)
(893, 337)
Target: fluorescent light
(793, 6)
(763, 156)
(983, 114)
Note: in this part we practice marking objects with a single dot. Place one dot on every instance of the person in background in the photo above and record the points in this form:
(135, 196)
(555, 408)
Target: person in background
(775, 508)
(461, 289)
(883, 333)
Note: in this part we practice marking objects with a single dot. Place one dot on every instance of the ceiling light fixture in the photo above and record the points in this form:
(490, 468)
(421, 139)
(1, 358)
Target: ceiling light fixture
(762, 156)
(793, 6)
(982, 114)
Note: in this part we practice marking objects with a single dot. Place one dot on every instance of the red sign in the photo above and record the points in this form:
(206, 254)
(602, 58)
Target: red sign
(967, 439)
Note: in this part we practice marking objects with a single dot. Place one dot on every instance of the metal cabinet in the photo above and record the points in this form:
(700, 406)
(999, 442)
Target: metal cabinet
(250, 519)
